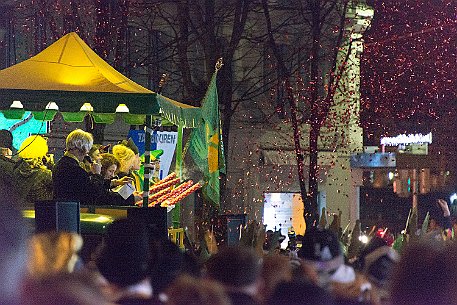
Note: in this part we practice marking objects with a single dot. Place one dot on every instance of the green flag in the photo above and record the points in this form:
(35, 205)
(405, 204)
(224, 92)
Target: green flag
(206, 144)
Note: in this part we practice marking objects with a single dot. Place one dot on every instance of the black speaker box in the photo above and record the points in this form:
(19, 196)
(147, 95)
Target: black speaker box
(57, 216)
(229, 228)
(155, 220)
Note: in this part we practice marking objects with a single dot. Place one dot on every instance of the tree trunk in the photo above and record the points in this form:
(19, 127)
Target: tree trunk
(298, 150)
(311, 206)
(311, 212)
(182, 48)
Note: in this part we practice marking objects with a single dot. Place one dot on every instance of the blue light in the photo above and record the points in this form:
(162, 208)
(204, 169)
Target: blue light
(23, 128)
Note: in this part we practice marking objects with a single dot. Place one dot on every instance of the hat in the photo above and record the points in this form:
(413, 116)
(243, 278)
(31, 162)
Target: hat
(124, 256)
(130, 144)
(6, 139)
(33, 147)
(322, 248)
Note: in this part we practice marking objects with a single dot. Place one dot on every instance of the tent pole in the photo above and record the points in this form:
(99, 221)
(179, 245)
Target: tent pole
(179, 156)
(176, 214)
(147, 159)
(147, 147)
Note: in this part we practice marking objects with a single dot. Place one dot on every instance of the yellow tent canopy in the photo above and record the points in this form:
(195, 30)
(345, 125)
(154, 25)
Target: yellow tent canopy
(68, 76)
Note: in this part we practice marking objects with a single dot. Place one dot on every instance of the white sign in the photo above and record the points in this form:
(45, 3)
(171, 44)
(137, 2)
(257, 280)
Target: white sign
(165, 140)
(404, 139)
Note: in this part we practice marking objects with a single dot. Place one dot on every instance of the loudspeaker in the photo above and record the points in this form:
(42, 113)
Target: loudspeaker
(229, 227)
(57, 216)
(155, 220)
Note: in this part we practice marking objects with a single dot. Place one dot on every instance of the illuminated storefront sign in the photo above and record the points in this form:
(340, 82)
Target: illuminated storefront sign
(404, 139)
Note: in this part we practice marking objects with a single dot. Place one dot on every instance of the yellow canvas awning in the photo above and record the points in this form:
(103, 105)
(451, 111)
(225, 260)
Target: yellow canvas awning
(70, 74)
(69, 64)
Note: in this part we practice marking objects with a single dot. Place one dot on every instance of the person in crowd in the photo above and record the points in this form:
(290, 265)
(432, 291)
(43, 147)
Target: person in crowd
(378, 268)
(71, 181)
(299, 293)
(440, 225)
(426, 274)
(129, 164)
(377, 261)
(275, 269)
(187, 290)
(64, 288)
(6, 143)
(31, 176)
(273, 240)
(123, 261)
(13, 249)
(93, 156)
(168, 262)
(53, 253)
(321, 250)
(238, 269)
(110, 164)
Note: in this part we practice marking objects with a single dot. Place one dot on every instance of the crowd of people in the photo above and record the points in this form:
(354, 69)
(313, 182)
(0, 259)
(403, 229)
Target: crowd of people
(132, 266)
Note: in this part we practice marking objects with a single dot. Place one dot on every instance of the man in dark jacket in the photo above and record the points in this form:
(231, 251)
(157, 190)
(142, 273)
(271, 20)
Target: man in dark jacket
(70, 180)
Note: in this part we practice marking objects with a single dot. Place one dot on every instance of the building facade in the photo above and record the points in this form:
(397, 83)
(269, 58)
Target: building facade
(260, 148)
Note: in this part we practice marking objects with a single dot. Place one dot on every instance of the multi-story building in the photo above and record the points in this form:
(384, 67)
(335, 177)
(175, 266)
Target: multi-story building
(261, 159)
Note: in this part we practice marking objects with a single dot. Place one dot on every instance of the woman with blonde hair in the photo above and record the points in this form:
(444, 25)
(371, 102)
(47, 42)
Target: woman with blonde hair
(126, 157)
(129, 162)
(30, 174)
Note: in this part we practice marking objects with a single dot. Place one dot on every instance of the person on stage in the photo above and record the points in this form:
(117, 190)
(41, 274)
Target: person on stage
(6, 162)
(71, 181)
(109, 169)
(31, 176)
(129, 163)
(109, 165)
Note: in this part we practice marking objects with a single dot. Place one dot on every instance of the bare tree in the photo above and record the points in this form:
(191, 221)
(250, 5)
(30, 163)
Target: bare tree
(324, 23)
(184, 38)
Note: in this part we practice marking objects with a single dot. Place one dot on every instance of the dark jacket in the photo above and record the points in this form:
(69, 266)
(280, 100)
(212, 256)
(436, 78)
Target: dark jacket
(7, 177)
(72, 182)
(6, 170)
(33, 183)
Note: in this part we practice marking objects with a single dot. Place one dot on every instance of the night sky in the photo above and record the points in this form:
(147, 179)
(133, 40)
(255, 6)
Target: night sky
(409, 69)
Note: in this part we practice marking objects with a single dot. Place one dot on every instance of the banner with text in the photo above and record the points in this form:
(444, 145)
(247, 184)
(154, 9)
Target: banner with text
(165, 140)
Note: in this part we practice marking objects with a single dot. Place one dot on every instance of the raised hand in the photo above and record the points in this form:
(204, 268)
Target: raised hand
(444, 207)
